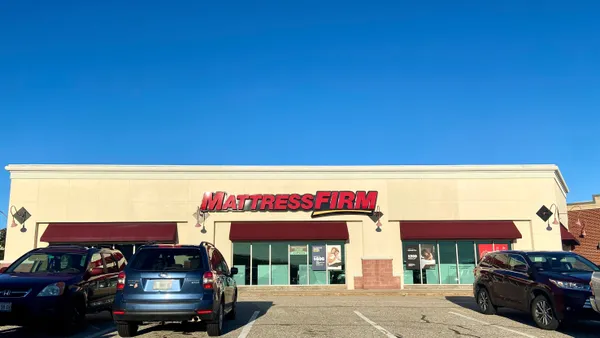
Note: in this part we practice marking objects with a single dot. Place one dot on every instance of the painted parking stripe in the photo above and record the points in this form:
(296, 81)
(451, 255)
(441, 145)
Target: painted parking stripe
(248, 326)
(373, 324)
(496, 326)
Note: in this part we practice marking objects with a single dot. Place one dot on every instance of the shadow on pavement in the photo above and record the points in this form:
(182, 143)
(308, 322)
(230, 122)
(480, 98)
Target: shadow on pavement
(575, 329)
(95, 323)
(245, 310)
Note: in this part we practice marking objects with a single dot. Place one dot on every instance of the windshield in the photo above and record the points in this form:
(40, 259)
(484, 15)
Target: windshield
(182, 259)
(561, 262)
(50, 262)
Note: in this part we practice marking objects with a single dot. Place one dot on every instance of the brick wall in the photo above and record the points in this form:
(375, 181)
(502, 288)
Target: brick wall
(589, 244)
(377, 274)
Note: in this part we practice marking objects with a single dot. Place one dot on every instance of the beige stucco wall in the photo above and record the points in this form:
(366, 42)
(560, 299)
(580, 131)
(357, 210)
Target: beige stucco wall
(109, 194)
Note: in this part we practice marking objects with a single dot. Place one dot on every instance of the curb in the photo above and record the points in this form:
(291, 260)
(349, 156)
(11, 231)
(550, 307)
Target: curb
(371, 294)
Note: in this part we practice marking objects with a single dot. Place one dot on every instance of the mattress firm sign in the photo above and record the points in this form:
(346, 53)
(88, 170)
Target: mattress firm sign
(321, 203)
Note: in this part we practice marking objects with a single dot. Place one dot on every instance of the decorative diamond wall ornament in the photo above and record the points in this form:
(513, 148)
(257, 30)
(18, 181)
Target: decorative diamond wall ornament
(544, 213)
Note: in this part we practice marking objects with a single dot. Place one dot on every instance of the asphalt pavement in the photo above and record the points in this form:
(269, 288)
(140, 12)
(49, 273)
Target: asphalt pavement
(347, 316)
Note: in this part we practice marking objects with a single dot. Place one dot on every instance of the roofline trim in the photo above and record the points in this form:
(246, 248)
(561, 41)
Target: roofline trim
(373, 171)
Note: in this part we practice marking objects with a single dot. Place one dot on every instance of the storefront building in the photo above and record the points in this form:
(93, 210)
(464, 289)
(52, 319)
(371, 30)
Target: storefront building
(356, 227)
(585, 228)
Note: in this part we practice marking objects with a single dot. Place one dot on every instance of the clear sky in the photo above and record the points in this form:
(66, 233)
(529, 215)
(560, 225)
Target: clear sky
(302, 82)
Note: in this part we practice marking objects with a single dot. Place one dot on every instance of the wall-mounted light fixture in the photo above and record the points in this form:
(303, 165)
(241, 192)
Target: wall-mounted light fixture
(544, 214)
(20, 216)
(580, 223)
(201, 217)
(376, 217)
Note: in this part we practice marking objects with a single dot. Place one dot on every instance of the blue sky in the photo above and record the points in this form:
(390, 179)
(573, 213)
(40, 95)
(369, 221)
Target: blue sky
(309, 82)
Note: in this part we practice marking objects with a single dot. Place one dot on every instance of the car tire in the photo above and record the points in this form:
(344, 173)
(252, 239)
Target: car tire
(74, 318)
(215, 327)
(233, 312)
(127, 329)
(543, 313)
(484, 302)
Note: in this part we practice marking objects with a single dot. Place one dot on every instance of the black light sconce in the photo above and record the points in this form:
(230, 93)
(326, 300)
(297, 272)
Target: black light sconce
(598, 247)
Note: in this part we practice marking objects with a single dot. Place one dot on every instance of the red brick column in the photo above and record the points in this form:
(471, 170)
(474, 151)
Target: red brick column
(377, 274)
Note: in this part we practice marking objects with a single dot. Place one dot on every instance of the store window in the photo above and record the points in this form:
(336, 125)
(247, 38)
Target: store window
(445, 262)
(241, 260)
(289, 263)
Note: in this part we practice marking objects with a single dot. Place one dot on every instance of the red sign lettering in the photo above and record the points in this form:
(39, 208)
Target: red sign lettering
(321, 203)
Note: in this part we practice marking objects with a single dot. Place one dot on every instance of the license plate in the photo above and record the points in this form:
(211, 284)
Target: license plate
(162, 284)
(5, 307)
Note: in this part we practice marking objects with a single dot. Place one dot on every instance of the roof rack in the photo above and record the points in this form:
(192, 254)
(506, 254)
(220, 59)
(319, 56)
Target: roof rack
(64, 246)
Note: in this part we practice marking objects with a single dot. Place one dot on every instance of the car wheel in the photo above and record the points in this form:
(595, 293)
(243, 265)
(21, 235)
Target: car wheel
(73, 318)
(543, 313)
(127, 329)
(232, 313)
(215, 327)
(485, 302)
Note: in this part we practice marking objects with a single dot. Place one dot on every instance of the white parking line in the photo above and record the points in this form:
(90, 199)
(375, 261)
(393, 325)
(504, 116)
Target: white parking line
(494, 325)
(381, 329)
(248, 326)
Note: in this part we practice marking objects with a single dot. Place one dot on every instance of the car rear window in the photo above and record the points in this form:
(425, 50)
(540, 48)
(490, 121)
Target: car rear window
(168, 259)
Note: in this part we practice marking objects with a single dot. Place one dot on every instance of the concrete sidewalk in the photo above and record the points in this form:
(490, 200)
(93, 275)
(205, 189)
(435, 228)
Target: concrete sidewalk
(246, 292)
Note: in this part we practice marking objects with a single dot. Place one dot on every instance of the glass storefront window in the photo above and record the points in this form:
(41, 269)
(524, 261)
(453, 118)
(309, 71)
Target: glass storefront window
(466, 261)
(335, 254)
(279, 264)
(428, 261)
(260, 264)
(289, 263)
(241, 260)
(455, 260)
(410, 276)
(482, 248)
(318, 276)
(298, 264)
(448, 263)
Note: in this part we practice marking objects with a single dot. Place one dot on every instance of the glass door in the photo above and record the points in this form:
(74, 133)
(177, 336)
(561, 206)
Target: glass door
(298, 264)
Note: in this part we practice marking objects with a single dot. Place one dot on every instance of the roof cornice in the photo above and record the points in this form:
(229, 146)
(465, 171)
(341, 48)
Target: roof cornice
(202, 171)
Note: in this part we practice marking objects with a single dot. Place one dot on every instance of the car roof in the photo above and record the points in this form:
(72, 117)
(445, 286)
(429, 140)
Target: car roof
(527, 252)
(73, 248)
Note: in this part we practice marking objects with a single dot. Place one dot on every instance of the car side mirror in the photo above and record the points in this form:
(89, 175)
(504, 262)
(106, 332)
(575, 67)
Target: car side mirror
(521, 268)
(4, 268)
(234, 271)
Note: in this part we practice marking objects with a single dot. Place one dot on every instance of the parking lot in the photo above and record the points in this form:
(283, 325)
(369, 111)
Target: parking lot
(348, 316)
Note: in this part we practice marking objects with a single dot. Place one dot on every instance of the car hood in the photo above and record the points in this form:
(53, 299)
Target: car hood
(33, 280)
(575, 277)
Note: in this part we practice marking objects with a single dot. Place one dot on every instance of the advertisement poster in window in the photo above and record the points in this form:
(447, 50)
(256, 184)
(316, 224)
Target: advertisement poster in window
(487, 248)
(334, 257)
(298, 250)
(428, 255)
(411, 256)
(318, 258)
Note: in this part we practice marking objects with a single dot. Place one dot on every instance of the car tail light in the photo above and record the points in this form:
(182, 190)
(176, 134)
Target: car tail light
(121, 280)
(208, 280)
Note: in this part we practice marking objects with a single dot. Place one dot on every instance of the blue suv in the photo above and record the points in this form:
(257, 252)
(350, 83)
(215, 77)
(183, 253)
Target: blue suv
(175, 283)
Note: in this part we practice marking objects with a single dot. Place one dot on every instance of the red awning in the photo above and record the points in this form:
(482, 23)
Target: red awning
(117, 232)
(567, 237)
(288, 231)
(440, 230)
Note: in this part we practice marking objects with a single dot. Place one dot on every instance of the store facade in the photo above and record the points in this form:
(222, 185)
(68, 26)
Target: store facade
(363, 227)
